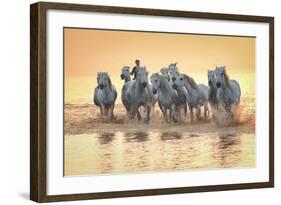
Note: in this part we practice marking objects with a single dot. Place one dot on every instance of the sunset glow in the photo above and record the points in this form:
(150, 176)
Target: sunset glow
(88, 51)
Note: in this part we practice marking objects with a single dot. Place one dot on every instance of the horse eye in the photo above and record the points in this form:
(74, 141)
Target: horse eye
(181, 78)
(221, 74)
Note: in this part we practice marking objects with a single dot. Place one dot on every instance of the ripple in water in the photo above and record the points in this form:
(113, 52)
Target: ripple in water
(127, 152)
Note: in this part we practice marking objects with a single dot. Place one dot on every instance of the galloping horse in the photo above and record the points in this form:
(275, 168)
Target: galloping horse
(229, 91)
(139, 94)
(174, 72)
(167, 97)
(198, 94)
(213, 101)
(105, 94)
(126, 76)
(182, 91)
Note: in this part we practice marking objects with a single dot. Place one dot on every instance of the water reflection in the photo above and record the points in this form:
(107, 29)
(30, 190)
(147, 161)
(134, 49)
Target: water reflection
(193, 135)
(228, 150)
(170, 135)
(130, 152)
(136, 136)
(106, 138)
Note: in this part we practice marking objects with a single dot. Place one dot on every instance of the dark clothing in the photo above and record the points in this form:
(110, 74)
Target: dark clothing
(134, 72)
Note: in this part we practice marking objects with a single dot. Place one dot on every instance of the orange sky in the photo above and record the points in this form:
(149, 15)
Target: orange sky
(88, 51)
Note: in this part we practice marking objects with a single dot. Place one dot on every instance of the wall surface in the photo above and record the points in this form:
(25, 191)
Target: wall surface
(14, 103)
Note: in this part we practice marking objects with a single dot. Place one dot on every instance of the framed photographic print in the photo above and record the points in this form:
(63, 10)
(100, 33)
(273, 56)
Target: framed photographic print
(134, 102)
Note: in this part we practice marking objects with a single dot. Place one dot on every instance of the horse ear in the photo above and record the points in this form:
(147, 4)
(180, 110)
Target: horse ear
(146, 73)
(176, 63)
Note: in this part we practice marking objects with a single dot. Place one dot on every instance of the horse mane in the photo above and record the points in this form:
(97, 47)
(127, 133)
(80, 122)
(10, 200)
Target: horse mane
(191, 81)
(227, 80)
(173, 65)
(164, 82)
(109, 82)
(163, 69)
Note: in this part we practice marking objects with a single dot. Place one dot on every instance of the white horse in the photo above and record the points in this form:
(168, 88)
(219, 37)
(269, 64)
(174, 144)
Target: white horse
(213, 101)
(229, 91)
(173, 70)
(139, 94)
(182, 91)
(105, 94)
(198, 94)
(126, 76)
(167, 97)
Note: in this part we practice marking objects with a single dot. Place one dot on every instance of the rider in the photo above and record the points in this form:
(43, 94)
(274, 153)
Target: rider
(134, 70)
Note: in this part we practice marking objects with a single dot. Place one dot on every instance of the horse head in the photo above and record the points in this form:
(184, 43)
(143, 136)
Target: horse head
(142, 76)
(155, 82)
(103, 80)
(178, 82)
(211, 78)
(125, 73)
(222, 77)
(174, 73)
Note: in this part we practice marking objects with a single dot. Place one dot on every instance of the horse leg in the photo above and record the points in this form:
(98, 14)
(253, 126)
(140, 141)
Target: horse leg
(198, 113)
(206, 111)
(148, 109)
(185, 109)
(133, 111)
(138, 115)
(101, 111)
(111, 112)
(182, 107)
(173, 113)
(160, 107)
(164, 111)
(170, 115)
(102, 108)
(178, 110)
(191, 114)
(227, 107)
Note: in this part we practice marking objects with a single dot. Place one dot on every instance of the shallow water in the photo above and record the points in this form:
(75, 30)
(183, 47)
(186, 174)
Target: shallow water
(126, 152)
(94, 145)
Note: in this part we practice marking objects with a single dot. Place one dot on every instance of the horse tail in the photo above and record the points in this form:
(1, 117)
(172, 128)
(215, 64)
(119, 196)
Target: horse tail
(227, 79)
